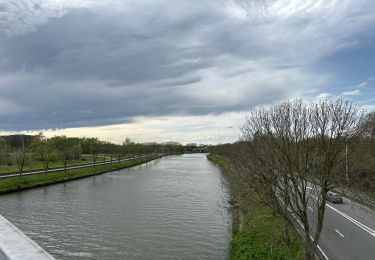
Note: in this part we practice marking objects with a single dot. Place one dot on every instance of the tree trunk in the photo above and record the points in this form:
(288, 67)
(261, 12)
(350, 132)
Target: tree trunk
(20, 166)
(320, 216)
(309, 248)
(45, 166)
(285, 208)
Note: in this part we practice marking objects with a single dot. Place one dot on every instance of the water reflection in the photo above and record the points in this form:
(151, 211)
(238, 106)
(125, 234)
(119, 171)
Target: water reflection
(171, 208)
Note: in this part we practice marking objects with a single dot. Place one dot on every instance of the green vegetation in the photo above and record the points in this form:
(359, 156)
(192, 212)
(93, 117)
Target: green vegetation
(20, 153)
(37, 165)
(31, 181)
(294, 149)
(257, 233)
(361, 158)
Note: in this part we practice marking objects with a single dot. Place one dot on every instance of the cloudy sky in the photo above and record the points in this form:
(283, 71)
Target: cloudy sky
(176, 70)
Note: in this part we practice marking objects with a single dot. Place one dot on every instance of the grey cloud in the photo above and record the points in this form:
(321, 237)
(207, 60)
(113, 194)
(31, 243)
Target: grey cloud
(17, 17)
(97, 63)
(78, 46)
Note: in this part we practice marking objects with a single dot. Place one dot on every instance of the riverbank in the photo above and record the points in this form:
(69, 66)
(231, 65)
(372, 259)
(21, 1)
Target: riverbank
(256, 232)
(31, 181)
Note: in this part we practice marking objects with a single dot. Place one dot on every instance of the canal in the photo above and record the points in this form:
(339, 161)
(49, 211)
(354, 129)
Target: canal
(171, 208)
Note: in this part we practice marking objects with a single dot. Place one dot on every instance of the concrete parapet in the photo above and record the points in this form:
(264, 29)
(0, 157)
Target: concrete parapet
(15, 245)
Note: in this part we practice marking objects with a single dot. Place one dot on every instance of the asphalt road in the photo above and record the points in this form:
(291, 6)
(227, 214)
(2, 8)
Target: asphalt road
(62, 168)
(348, 231)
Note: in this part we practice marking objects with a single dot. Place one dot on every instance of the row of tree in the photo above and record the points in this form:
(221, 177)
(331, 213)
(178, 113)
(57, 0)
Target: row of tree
(63, 149)
(292, 154)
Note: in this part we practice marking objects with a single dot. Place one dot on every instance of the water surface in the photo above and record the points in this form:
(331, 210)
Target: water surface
(172, 208)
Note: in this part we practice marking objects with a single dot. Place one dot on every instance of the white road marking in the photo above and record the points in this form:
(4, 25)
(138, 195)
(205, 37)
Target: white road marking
(338, 232)
(323, 252)
(359, 224)
(353, 202)
(300, 223)
(364, 227)
(320, 249)
(311, 209)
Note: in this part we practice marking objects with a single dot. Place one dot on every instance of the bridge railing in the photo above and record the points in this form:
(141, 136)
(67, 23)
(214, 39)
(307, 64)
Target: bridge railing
(15, 245)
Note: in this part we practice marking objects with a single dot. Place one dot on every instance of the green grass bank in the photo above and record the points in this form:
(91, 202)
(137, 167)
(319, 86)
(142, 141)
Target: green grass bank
(31, 181)
(256, 232)
(38, 165)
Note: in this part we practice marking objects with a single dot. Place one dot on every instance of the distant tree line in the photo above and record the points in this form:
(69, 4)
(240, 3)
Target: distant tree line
(293, 153)
(22, 150)
(360, 164)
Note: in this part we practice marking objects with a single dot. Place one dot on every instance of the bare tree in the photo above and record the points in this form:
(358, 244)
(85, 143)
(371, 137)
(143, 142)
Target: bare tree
(63, 147)
(76, 151)
(94, 144)
(20, 154)
(42, 148)
(292, 158)
(3, 149)
(119, 151)
(360, 163)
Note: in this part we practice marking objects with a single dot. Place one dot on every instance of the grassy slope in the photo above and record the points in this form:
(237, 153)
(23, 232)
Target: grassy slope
(37, 165)
(256, 233)
(31, 181)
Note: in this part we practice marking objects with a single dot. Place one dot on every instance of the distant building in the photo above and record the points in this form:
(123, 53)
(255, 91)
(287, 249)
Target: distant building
(195, 148)
(172, 143)
(150, 143)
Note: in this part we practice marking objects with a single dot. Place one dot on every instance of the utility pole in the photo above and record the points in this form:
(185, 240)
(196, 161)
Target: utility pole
(346, 161)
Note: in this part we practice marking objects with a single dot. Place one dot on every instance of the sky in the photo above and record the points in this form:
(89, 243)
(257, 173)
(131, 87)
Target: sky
(184, 70)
